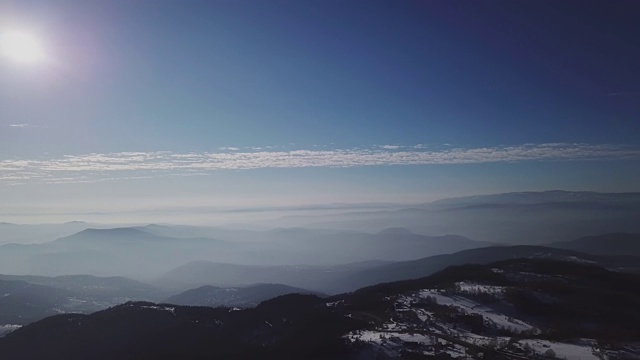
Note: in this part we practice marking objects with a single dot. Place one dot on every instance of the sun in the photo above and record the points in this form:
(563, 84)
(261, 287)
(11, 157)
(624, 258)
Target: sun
(21, 47)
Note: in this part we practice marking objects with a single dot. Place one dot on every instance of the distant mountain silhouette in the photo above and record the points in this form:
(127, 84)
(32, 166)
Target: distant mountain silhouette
(315, 278)
(38, 233)
(237, 296)
(511, 218)
(616, 244)
(135, 252)
(290, 327)
(100, 235)
(99, 289)
(397, 231)
(108, 252)
(542, 197)
(24, 299)
(405, 270)
(332, 280)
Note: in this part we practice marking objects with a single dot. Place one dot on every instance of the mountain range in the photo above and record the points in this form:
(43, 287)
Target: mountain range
(616, 244)
(247, 296)
(133, 252)
(461, 310)
(26, 298)
(532, 218)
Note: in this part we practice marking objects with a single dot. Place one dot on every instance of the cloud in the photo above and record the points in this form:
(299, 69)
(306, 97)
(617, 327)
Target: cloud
(100, 167)
(389, 147)
(26, 126)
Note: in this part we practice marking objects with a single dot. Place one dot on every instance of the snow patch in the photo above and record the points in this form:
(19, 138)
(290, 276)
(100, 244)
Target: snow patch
(472, 307)
(161, 308)
(468, 287)
(583, 351)
(5, 329)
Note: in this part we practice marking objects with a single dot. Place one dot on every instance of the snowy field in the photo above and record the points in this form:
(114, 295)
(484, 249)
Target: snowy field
(472, 307)
(395, 335)
(582, 351)
(478, 288)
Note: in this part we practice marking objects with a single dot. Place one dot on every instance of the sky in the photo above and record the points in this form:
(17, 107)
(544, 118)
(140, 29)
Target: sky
(140, 105)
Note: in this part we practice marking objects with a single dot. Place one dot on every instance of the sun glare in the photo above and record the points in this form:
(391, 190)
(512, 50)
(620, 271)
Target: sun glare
(21, 47)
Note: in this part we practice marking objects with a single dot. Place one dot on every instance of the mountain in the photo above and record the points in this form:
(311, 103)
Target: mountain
(22, 302)
(185, 231)
(511, 218)
(126, 252)
(315, 278)
(110, 290)
(514, 309)
(108, 236)
(405, 270)
(311, 244)
(616, 244)
(24, 299)
(396, 244)
(137, 253)
(542, 197)
(294, 326)
(247, 296)
(38, 233)
(337, 279)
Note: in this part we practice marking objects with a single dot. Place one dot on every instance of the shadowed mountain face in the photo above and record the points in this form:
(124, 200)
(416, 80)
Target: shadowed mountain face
(22, 302)
(295, 326)
(516, 295)
(237, 296)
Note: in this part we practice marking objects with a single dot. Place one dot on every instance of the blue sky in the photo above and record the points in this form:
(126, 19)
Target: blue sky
(242, 102)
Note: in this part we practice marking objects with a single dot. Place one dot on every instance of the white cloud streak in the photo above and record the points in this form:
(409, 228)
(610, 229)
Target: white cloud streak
(21, 126)
(140, 165)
